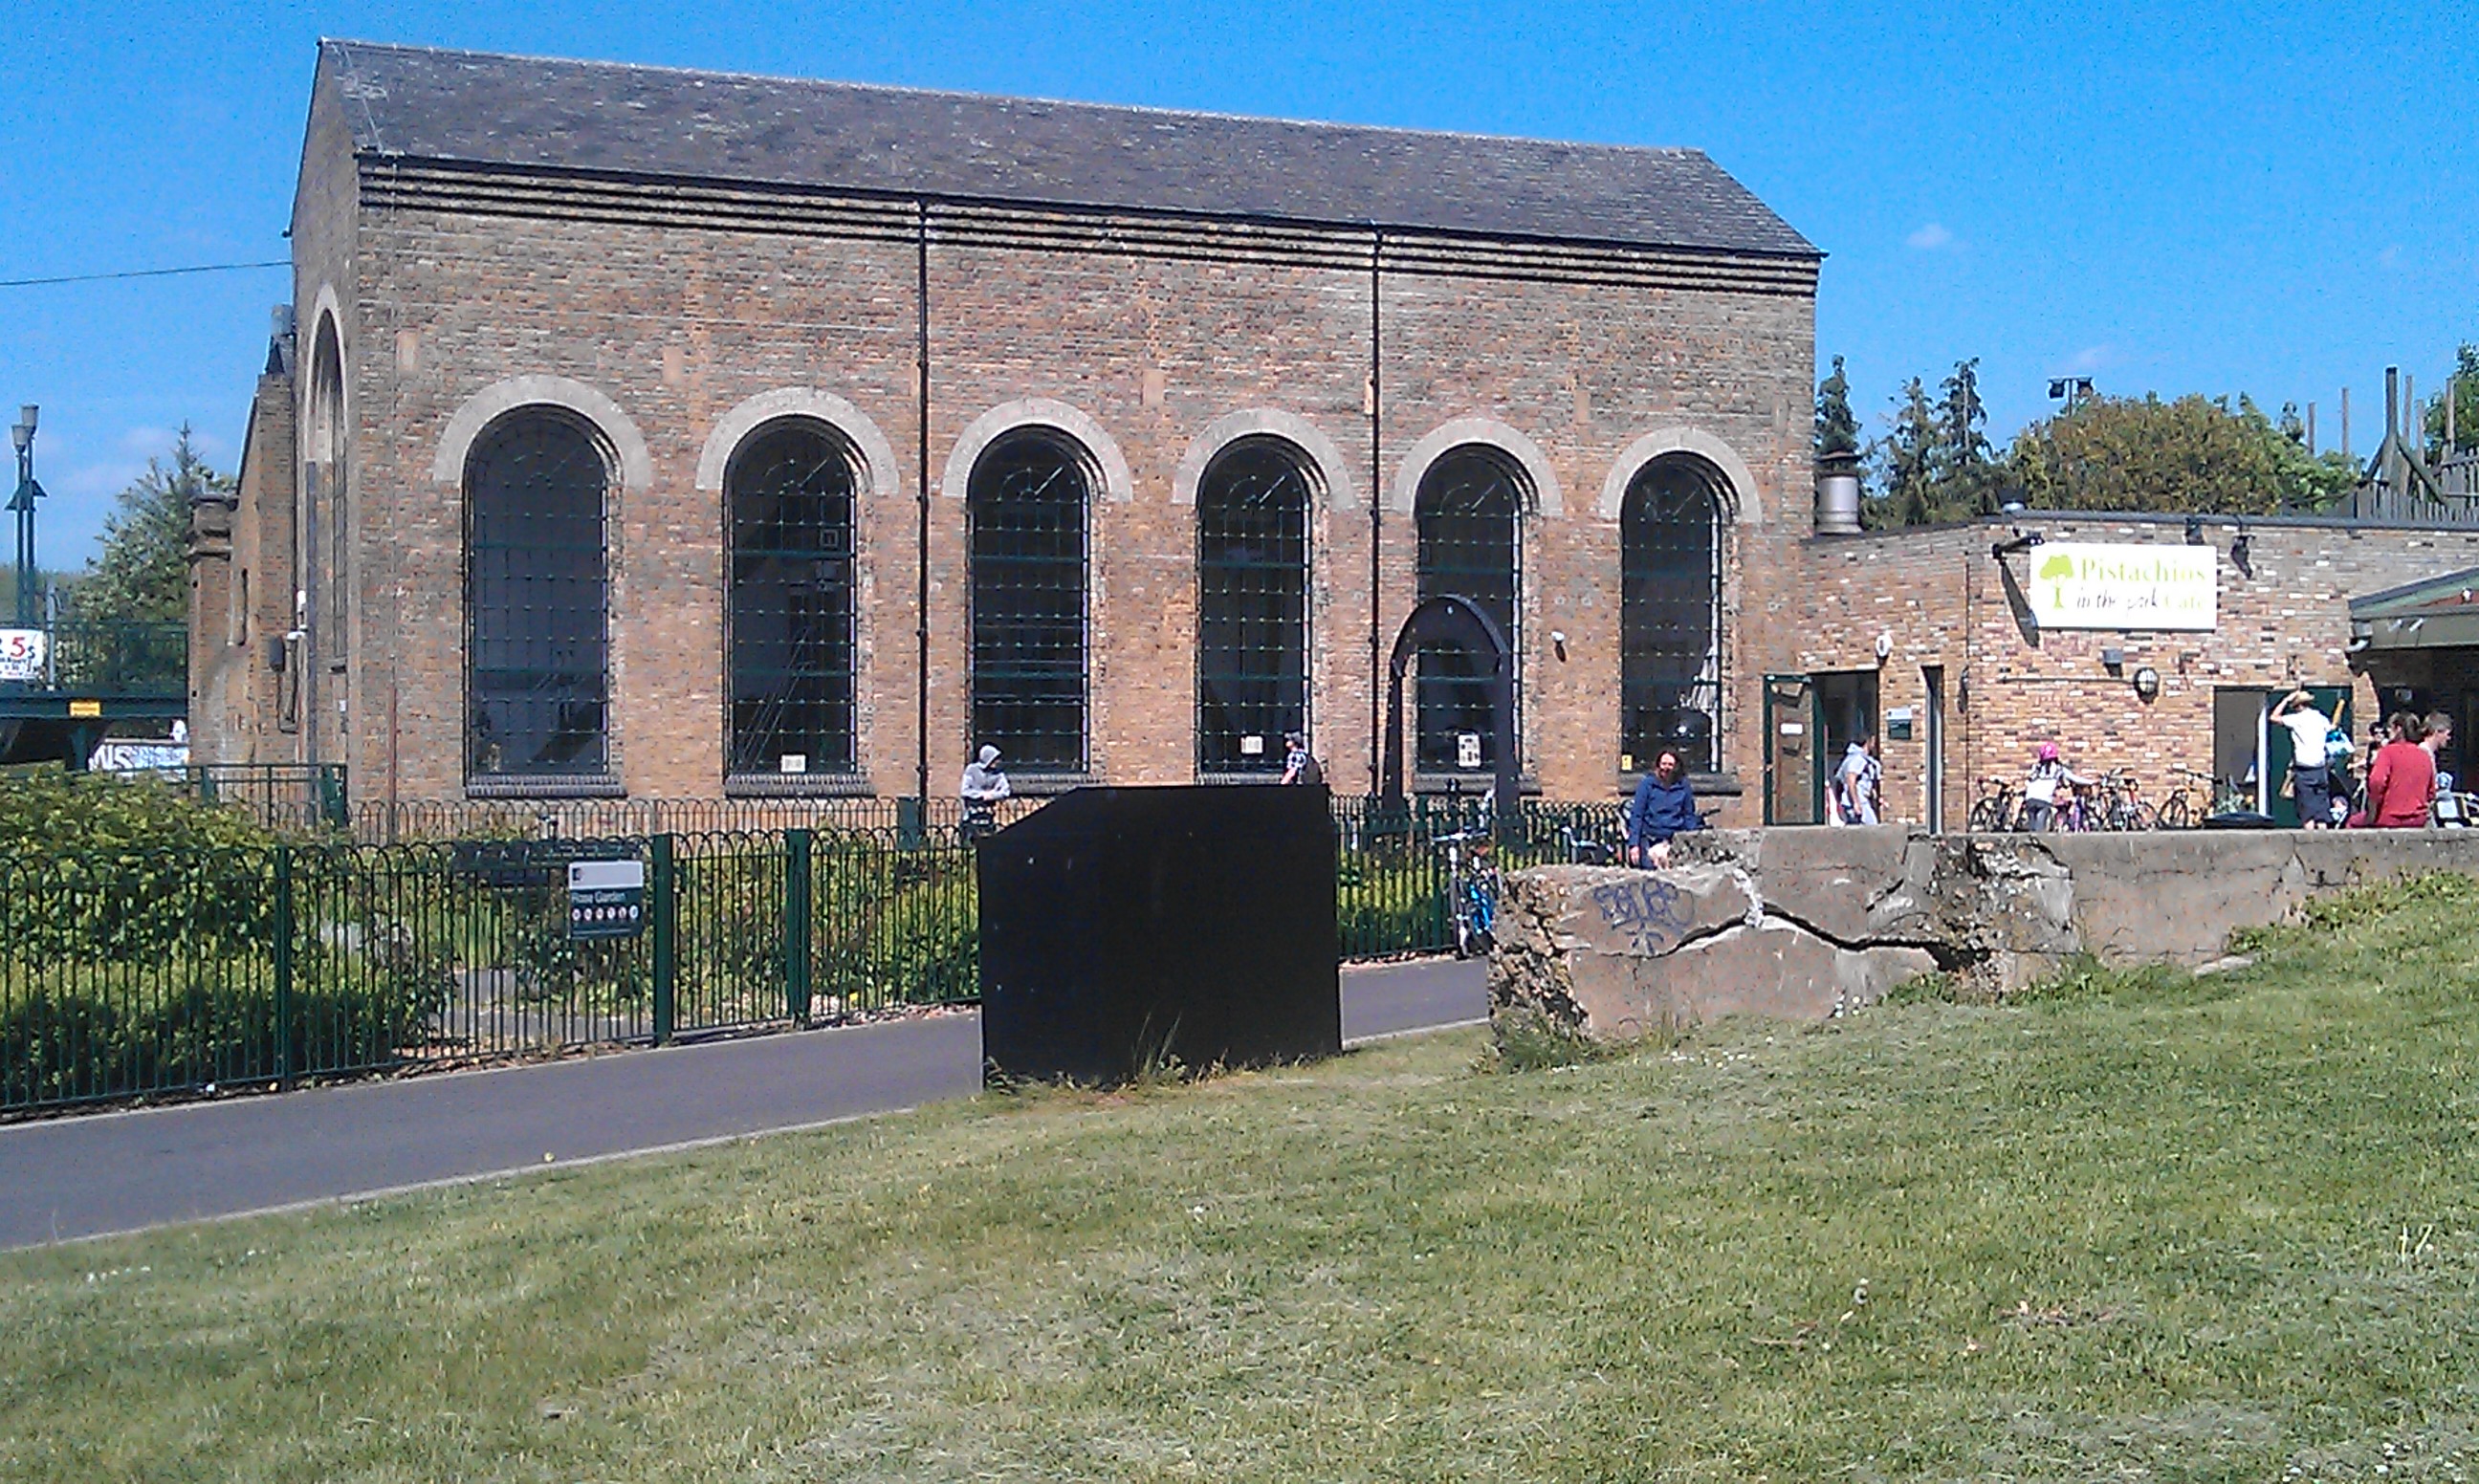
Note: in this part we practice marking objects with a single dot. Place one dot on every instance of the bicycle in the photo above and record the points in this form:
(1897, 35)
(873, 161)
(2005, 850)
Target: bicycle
(1471, 891)
(2183, 807)
(1584, 848)
(2122, 804)
(1996, 810)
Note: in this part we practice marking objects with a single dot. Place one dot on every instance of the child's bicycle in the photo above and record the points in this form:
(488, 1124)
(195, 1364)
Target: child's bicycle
(1471, 891)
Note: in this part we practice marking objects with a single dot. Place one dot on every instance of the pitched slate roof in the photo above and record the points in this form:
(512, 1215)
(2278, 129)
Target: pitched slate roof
(610, 118)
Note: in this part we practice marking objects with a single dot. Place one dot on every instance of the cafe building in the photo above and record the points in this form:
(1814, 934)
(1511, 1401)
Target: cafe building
(2153, 644)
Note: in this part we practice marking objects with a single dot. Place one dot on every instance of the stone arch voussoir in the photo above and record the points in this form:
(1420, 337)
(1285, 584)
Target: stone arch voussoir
(1330, 470)
(1740, 504)
(1489, 432)
(487, 406)
(1118, 485)
(733, 429)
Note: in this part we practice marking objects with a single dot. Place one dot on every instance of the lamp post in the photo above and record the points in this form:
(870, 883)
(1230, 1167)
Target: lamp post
(22, 506)
(2073, 391)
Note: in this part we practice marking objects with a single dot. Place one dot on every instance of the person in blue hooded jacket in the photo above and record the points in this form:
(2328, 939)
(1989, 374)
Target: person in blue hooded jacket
(1664, 805)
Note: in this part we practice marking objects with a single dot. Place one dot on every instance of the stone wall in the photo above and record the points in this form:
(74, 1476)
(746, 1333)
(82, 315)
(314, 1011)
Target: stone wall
(1804, 923)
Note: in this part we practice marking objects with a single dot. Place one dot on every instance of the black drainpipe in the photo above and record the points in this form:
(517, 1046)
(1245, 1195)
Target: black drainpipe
(921, 551)
(1376, 519)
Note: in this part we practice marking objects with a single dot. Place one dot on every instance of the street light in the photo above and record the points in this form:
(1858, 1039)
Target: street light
(2073, 391)
(22, 506)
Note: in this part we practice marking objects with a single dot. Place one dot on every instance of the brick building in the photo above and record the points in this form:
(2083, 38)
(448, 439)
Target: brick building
(682, 435)
(1930, 640)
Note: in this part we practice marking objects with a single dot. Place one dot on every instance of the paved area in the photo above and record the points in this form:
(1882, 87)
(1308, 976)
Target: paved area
(113, 1172)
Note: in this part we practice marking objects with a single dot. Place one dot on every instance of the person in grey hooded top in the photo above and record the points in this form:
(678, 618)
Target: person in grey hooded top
(983, 783)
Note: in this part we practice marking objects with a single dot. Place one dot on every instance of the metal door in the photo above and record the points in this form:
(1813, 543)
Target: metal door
(1794, 785)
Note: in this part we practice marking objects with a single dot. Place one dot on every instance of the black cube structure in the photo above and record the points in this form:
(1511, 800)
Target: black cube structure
(1122, 925)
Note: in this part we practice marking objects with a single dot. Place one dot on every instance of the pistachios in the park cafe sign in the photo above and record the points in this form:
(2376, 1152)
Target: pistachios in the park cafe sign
(2076, 585)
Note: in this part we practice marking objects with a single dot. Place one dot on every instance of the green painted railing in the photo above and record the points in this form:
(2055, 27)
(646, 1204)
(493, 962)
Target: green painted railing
(112, 661)
(156, 971)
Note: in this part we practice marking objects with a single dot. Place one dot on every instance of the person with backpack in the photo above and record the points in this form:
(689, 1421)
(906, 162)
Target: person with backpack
(2049, 772)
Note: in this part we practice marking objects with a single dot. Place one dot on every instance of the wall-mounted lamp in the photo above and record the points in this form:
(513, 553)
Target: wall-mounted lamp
(1962, 691)
(1885, 648)
(1558, 642)
(2147, 683)
(2022, 541)
(2242, 553)
(2194, 530)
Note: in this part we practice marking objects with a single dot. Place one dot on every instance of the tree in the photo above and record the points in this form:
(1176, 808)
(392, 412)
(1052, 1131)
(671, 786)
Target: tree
(142, 575)
(1905, 492)
(2195, 454)
(1837, 428)
(1965, 475)
(1933, 464)
(2463, 387)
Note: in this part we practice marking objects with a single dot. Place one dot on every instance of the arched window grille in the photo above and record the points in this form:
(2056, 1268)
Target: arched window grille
(537, 634)
(1026, 504)
(1670, 606)
(790, 490)
(1252, 590)
(1469, 514)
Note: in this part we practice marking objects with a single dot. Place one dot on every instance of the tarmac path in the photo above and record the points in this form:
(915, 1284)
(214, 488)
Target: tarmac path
(69, 1178)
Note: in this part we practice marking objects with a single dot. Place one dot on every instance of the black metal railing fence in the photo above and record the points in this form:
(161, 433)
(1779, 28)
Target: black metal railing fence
(150, 971)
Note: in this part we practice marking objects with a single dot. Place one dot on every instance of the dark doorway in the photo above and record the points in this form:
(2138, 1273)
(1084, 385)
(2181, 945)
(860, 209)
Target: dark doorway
(1933, 677)
(2237, 748)
(2334, 700)
(1846, 711)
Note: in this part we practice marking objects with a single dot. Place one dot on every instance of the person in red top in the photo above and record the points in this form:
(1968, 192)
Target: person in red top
(2402, 780)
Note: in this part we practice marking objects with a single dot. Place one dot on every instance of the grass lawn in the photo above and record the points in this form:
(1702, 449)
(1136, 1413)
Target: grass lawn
(2140, 1227)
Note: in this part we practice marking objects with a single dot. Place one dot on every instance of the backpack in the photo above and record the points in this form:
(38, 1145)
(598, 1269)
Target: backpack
(1311, 773)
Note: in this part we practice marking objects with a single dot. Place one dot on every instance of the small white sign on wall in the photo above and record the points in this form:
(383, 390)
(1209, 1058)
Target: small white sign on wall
(2078, 584)
(1467, 749)
(22, 652)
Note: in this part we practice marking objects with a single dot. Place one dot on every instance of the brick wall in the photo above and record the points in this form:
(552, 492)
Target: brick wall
(241, 593)
(1152, 330)
(1939, 599)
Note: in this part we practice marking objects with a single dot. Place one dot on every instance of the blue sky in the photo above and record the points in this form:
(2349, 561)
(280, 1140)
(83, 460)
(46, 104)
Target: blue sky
(2280, 200)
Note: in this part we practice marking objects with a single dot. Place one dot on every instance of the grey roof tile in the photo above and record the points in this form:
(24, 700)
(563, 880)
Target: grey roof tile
(529, 112)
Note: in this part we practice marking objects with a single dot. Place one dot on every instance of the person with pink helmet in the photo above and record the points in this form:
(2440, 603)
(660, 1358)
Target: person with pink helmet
(2040, 789)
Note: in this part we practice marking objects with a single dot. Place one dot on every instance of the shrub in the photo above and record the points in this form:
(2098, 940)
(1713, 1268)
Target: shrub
(127, 870)
(79, 1031)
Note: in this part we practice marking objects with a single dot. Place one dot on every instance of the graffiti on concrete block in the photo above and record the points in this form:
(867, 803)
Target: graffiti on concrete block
(1653, 914)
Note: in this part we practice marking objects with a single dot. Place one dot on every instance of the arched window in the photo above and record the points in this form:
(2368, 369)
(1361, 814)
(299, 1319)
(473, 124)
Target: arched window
(537, 633)
(1670, 601)
(1026, 504)
(1252, 593)
(790, 489)
(1469, 511)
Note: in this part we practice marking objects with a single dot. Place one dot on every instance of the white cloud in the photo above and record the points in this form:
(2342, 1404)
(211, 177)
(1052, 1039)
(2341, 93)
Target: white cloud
(1931, 237)
(2092, 358)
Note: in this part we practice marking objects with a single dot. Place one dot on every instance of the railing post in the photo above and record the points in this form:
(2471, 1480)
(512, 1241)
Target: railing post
(284, 966)
(667, 949)
(796, 923)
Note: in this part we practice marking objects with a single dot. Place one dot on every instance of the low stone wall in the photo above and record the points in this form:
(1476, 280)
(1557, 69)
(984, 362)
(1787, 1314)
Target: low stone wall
(1806, 923)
